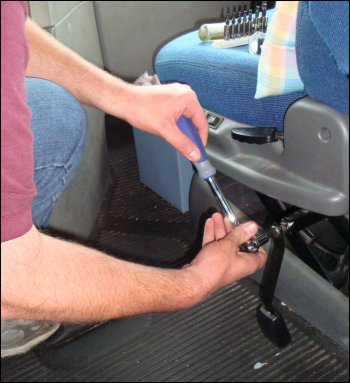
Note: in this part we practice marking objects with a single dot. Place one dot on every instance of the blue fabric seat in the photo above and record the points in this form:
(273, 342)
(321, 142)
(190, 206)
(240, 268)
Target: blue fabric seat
(322, 46)
(311, 168)
(224, 80)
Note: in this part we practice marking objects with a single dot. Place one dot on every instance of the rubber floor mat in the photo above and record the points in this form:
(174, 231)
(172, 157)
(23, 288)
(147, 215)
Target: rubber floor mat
(136, 224)
(218, 340)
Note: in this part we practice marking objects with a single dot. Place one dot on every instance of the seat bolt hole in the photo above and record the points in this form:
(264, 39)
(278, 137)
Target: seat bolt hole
(325, 134)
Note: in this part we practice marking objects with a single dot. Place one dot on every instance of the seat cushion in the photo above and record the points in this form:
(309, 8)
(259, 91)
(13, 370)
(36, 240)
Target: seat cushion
(224, 80)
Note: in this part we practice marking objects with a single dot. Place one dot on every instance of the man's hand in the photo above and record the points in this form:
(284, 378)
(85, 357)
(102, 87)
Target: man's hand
(45, 278)
(220, 262)
(155, 109)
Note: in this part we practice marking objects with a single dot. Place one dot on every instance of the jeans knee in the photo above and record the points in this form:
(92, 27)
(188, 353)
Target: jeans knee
(75, 127)
(59, 123)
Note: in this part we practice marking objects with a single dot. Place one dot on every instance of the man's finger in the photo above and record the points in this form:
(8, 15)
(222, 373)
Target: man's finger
(195, 113)
(243, 232)
(228, 225)
(209, 233)
(220, 230)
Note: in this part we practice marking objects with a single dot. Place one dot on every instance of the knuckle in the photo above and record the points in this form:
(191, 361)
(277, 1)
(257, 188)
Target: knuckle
(188, 92)
(186, 87)
(181, 88)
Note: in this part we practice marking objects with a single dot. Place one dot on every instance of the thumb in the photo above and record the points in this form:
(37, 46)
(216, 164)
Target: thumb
(243, 232)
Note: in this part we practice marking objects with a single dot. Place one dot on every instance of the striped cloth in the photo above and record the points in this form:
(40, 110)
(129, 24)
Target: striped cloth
(278, 71)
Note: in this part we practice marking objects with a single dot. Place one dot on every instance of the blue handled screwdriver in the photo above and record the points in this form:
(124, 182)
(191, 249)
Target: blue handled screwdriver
(205, 169)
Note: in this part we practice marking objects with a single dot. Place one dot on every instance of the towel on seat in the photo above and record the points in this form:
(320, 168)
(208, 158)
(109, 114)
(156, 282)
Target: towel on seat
(278, 71)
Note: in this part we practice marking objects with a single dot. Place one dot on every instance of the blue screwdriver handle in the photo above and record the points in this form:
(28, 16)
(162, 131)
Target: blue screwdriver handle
(204, 167)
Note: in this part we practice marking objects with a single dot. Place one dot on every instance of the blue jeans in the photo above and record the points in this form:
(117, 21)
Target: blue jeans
(59, 126)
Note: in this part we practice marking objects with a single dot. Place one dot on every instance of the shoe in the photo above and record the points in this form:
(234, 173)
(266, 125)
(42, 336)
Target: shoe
(19, 336)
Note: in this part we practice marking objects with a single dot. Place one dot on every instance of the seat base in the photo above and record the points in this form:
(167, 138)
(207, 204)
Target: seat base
(309, 171)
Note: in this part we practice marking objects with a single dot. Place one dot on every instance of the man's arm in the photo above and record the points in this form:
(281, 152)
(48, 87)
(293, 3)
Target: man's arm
(154, 109)
(45, 278)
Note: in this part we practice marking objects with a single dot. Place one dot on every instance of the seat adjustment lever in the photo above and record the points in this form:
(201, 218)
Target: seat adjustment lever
(256, 135)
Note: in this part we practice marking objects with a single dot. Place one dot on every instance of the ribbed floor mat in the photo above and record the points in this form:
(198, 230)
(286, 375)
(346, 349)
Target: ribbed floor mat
(136, 224)
(218, 340)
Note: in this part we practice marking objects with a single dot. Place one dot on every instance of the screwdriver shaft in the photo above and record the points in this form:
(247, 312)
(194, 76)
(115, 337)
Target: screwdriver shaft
(223, 202)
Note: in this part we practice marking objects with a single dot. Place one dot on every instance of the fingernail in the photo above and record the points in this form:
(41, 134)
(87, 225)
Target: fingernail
(250, 227)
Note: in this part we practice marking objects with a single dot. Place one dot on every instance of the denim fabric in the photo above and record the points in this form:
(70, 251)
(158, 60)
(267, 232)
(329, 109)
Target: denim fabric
(322, 45)
(59, 126)
(224, 80)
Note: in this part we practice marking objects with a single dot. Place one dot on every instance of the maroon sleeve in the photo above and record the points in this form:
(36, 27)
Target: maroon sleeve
(17, 158)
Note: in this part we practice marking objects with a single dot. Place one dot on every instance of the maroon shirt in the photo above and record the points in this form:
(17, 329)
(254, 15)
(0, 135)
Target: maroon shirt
(17, 157)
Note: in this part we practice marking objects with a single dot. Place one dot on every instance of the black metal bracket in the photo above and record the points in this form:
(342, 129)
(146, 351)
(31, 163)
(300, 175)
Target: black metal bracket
(270, 320)
(321, 242)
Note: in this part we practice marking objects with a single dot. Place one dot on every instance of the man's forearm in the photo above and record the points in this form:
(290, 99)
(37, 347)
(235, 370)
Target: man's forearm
(49, 59)
(70, 283)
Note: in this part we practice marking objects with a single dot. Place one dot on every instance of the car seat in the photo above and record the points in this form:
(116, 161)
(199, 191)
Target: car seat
(304, 161)
(309, 168)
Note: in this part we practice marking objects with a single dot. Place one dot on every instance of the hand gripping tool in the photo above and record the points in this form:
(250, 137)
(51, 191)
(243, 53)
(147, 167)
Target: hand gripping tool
(205, 169)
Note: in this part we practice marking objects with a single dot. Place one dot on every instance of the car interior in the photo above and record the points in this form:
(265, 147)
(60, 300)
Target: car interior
(281, 160)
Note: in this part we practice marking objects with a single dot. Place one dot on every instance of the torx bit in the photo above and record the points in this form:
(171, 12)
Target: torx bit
(250, 22)
(264, 18)
(244, 24)
(239, 24)
(233, 16)
(257, 19)
(227, 34)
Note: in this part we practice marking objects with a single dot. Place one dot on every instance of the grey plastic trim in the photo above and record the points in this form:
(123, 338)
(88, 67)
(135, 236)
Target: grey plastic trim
(311, 171)
(76, 210)
(49, 13)
(73, 23)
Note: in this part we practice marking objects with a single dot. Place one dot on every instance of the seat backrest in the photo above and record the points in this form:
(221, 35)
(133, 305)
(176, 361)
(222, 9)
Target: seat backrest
(322, 45)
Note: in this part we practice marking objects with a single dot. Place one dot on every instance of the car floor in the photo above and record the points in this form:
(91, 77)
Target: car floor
(217, 340)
